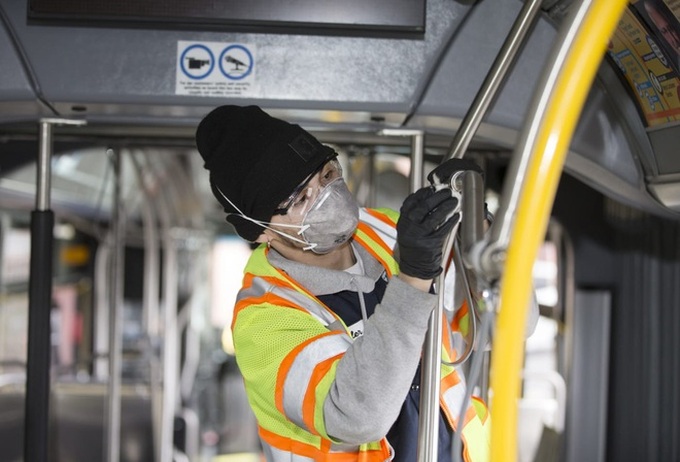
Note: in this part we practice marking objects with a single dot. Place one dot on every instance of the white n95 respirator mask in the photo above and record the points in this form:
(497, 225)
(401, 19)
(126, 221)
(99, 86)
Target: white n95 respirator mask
(328, 220)
(331, 219)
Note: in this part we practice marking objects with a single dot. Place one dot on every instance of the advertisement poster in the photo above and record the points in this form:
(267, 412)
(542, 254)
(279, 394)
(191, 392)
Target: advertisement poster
(646, 49)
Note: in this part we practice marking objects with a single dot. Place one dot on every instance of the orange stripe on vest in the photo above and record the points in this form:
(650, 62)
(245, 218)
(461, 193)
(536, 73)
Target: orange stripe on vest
(287, 363)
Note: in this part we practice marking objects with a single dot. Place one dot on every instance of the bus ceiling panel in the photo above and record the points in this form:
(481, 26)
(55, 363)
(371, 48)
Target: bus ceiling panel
(15, 84)
(81, 65)
(488, 136)
(17, 96)
(467, 61)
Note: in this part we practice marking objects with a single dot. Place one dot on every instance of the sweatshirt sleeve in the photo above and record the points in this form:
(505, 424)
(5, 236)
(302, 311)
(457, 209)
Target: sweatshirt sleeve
(375, 374)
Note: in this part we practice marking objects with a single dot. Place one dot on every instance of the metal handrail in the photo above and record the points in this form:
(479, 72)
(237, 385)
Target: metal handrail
(115, 297)
(36, 426)
(151, 305)
(429, 405)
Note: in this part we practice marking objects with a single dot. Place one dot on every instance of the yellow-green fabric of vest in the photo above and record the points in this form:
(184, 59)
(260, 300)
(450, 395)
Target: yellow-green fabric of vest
(288, 355)
(283, 343)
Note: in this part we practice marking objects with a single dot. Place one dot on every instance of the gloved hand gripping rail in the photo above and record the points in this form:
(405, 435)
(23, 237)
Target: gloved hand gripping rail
(462, 179)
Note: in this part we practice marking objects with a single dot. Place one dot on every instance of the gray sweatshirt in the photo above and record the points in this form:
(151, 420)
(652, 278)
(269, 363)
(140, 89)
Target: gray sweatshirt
(375, 374)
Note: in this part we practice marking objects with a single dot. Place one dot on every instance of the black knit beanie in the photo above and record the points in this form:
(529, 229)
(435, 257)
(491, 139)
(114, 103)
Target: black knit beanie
(256, 161)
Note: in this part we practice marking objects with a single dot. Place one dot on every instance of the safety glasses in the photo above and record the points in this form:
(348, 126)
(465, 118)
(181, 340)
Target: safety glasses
(298, 203)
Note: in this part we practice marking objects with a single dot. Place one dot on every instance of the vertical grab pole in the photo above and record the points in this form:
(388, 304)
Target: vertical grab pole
(428, 417)
(151, 307)
(430, 387)
(36, 420)
(37, 400)
(417, 157)
(417, 154)
(170, 358)
(115, 296)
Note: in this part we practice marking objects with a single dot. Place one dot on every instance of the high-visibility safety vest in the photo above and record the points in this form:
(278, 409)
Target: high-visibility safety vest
(288, 368)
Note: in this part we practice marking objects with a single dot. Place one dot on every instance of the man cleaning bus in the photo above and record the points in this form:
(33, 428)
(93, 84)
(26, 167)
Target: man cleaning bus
(329, 325)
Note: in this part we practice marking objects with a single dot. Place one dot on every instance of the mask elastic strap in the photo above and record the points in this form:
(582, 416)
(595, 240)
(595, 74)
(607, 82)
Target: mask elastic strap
(302, 229)
(309, 246)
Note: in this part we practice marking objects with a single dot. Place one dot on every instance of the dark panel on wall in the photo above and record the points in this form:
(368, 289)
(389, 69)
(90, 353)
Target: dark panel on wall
(644, 404)
(636, 257)
(399, 16)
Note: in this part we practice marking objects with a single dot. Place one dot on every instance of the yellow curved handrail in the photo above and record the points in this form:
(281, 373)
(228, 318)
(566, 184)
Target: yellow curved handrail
(535, 202)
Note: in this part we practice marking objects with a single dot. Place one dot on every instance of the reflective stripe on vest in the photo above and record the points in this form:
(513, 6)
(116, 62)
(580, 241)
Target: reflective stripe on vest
(260, 286)
(379, 223)
(299, 374)
(307, 364)
(476, 432)
(279, 449)
(376, 232)
(452, 394)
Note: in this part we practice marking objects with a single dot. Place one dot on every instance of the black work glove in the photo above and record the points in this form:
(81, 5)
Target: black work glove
(422, 228)
(446, 170)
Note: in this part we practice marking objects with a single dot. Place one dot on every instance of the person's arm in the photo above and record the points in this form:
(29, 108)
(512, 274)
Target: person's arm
(374, 376)
(418, 283)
